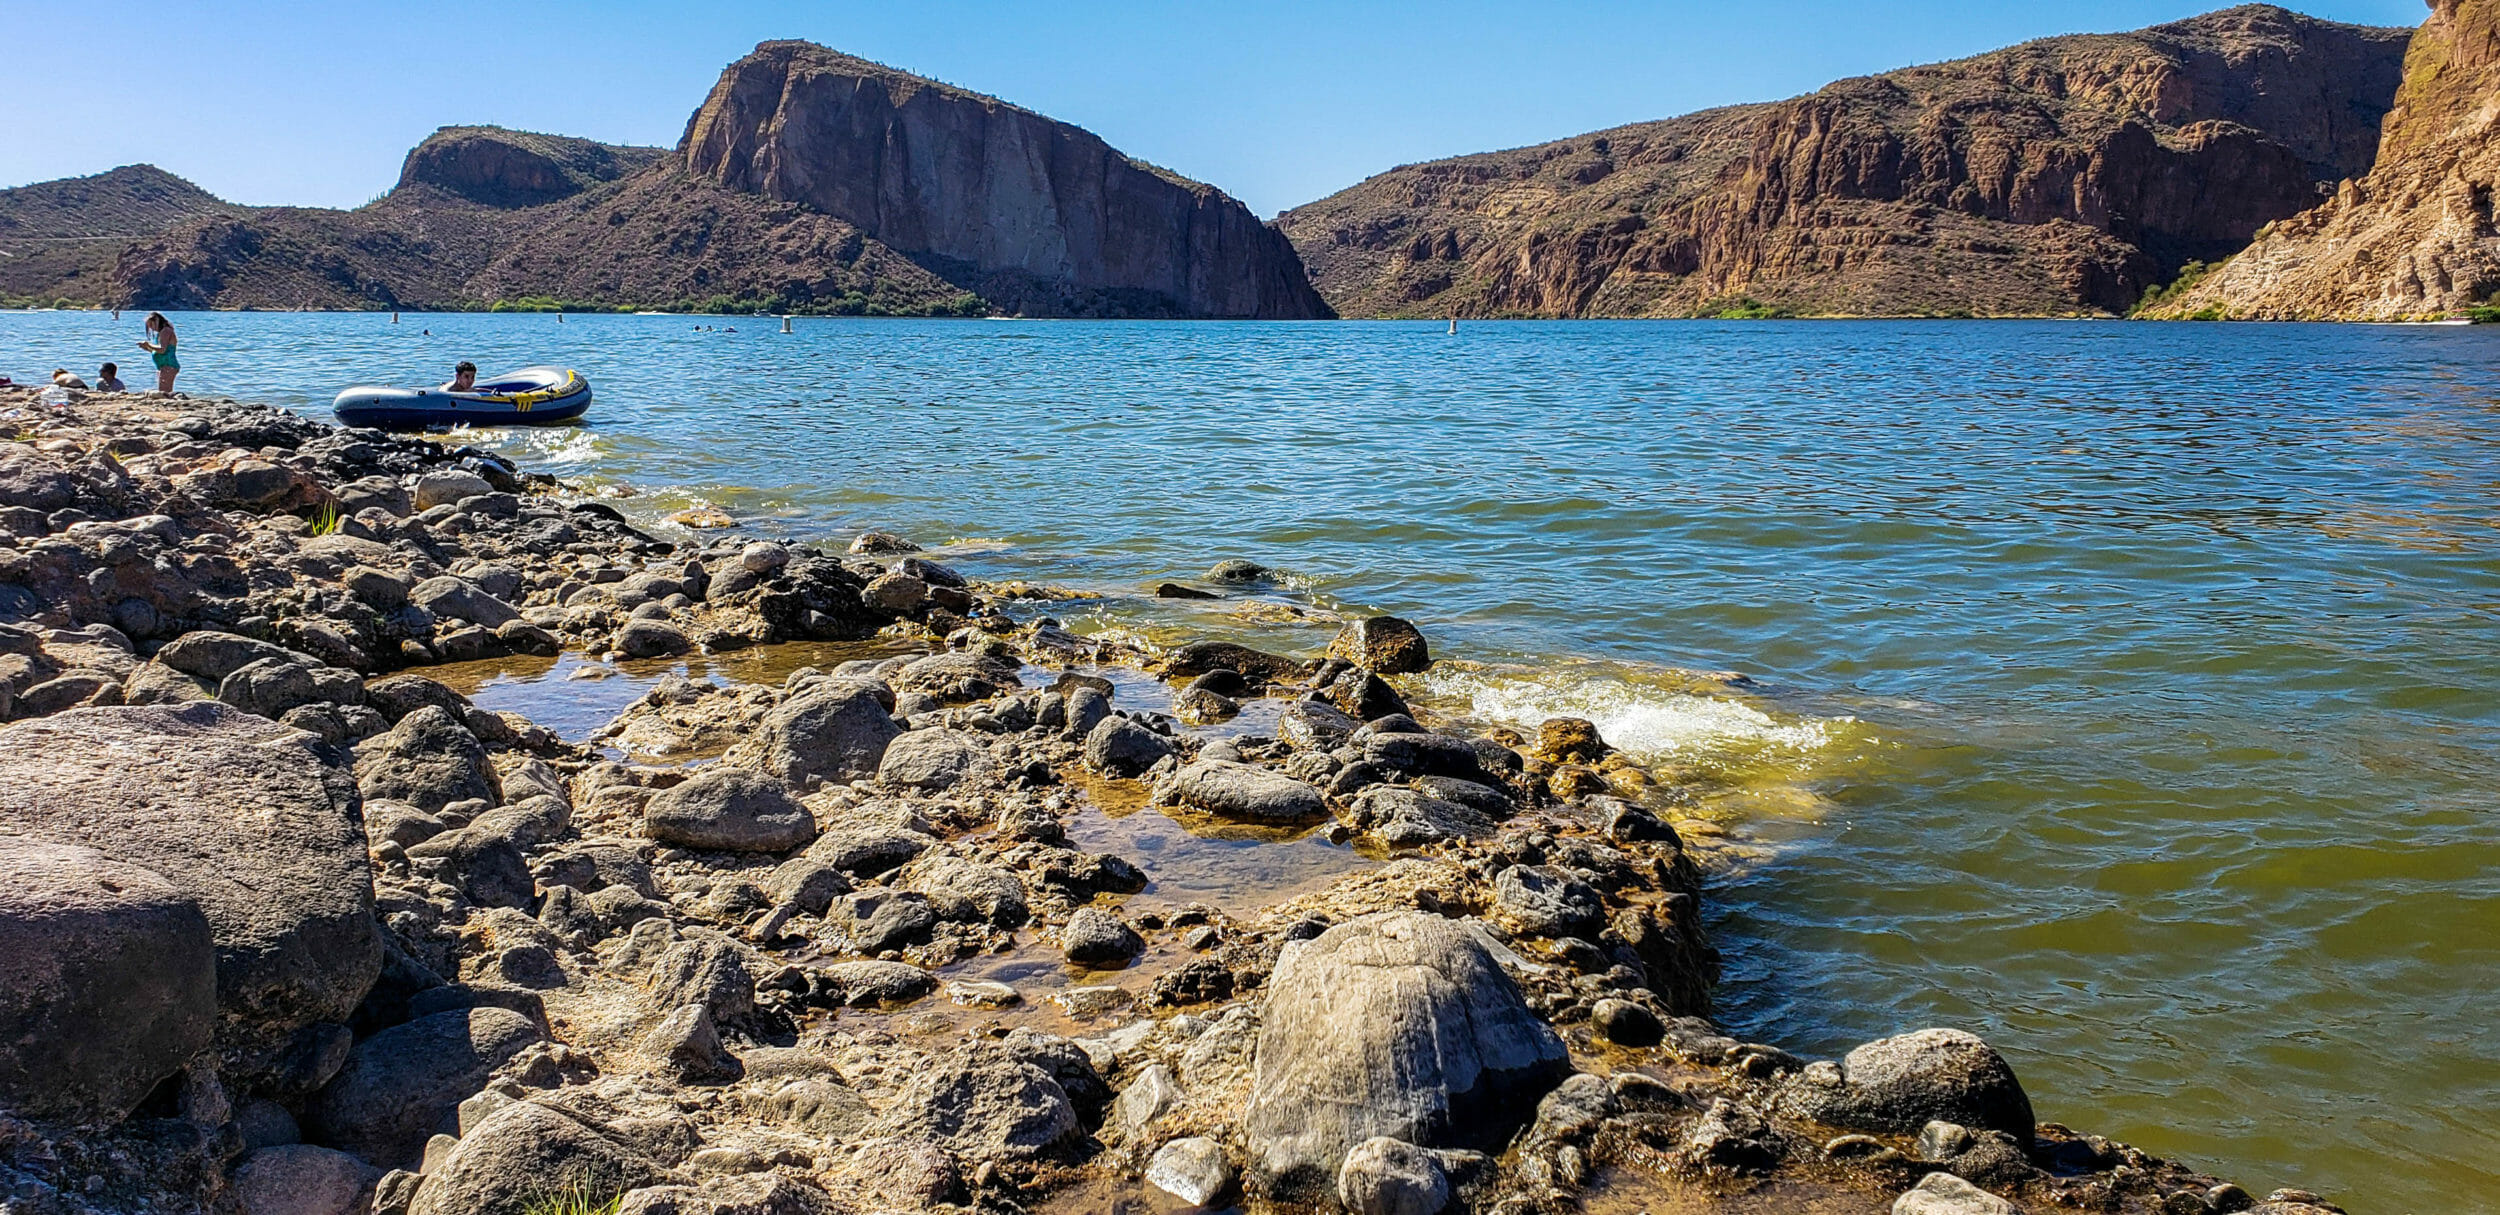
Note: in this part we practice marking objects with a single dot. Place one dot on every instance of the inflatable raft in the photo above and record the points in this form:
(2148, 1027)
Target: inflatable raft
(532, 396)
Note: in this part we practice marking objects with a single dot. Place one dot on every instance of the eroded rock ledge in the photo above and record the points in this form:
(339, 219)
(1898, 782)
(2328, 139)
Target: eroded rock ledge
(291, 927)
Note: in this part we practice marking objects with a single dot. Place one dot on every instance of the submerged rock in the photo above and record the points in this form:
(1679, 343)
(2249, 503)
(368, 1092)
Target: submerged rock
(1398, 1024)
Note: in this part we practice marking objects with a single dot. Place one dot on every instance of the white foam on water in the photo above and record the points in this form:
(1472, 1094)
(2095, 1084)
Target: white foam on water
(1632, 713)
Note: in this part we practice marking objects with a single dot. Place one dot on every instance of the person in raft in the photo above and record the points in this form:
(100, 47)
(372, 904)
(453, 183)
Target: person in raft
(109, 379)
(161, 351)
(463, 378)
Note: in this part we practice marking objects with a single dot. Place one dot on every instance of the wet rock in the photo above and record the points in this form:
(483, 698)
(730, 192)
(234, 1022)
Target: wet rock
(1087, 708)
(895, 594)
(1201, 706)
(1626, 1024)
(1423, 754)
(969, 891)
(651, 639)
(958, 677)
(1199, 657)
(1946, 1194)
(933, 761)
(1900, 1084)
(729, 810)
(1242, 791)
(1385, 644)
(108, 981)
(1097, 939)
(399, 1083)
(881, 544)
(286, 887)
(1193, 1170)
(429, 760)
(1569, 740)
(1364, 695)
(1410, 818)
(447, 487)
(1237, 572)
(1546, 901)
(299, 1179)
(983, 993)
(525, 1155)
(1121, 748)
(984, 1104)
(1309, 725)
(1396, 1024)
(871, 983)
(1387, 1176)
(832, 730)
(688, 1049)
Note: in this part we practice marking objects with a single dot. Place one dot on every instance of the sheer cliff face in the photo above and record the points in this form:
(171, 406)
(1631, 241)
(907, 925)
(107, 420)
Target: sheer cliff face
(2413, 238)
(1034, 215)
(2066, 175)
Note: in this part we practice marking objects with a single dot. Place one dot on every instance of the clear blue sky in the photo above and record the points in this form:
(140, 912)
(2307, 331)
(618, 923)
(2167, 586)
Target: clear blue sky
(1278, 102)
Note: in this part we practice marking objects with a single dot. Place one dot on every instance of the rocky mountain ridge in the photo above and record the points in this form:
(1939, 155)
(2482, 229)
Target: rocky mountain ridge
(2415, 237)
(2066, 175)
(58, 239)
(745, 215)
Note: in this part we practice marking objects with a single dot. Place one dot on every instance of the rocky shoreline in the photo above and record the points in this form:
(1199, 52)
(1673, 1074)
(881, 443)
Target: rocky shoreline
(289, 928)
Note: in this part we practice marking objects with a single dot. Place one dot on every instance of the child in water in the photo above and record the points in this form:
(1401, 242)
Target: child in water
(109, 379)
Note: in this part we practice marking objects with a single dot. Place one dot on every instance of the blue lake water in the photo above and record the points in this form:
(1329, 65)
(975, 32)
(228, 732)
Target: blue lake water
(2129, 694)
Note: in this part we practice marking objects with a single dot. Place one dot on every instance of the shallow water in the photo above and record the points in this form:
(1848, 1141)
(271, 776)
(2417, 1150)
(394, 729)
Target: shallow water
(2126, 693)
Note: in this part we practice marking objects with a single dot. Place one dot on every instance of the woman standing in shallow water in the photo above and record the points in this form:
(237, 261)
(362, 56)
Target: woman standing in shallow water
(162, 351)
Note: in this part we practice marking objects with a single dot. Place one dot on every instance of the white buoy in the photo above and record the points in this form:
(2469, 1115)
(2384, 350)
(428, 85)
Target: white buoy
(785, 325)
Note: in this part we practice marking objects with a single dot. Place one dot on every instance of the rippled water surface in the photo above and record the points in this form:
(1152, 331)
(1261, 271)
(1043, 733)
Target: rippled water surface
(2128, 693)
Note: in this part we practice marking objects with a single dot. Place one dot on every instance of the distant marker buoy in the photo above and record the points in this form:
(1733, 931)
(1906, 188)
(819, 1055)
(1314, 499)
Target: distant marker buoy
(785, 325)
(1453, 325)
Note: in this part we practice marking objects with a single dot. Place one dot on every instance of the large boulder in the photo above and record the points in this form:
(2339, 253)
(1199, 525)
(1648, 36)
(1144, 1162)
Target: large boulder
(524, 1159)
(830, 730)
(211, 655)
(399, 1083)
(108, 981)
(1242, 791)
(458, 599)
(984, 1104)
(1119, 747)
(730, 810)
(238, 813)
(933, 761)
(429, 760)
(1901, 1084)
(1397, 1024)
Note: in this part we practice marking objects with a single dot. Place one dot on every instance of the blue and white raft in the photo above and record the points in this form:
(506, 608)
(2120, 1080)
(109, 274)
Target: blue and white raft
(532, 396)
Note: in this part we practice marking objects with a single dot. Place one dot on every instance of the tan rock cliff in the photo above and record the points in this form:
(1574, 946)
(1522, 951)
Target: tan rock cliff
(2413, 238)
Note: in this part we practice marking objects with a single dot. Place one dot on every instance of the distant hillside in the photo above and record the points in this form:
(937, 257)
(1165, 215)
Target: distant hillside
(808, 181)
(58, 239)
(2066, 175)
